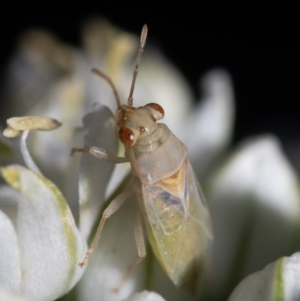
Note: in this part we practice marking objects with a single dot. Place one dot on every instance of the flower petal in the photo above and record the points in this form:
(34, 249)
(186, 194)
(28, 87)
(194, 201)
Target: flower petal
(159, 81)
(252, 197)
(109, 262)
(10, 269)
(94, 173)
(37, 64)
(277, 281)
(145, 296)
(49, 244)
(210, 127)
(8, 296)
(51, 150)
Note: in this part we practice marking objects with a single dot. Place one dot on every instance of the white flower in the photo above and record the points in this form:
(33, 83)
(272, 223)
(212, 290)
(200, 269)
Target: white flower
(210, 124)
(145, 296)
(252, 195)
(40, 244)
(277, 281)
(5, 295)
(255, 207)
(68, 93)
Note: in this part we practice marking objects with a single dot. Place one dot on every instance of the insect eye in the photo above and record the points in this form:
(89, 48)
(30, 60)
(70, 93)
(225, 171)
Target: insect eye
(127, 136)
(142, 129)
(157, 110)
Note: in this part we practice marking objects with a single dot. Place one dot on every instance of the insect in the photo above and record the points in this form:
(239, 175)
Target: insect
(176, 217)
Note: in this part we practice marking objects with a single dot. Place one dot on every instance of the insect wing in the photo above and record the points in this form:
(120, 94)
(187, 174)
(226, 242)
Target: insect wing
(178, 225)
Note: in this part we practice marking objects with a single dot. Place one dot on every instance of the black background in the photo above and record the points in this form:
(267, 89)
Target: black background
(259, 49)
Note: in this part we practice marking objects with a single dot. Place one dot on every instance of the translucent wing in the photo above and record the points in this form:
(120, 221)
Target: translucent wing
(178, 224)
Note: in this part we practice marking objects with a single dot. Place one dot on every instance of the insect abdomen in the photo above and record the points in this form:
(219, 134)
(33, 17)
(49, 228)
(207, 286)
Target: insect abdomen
(177, 239)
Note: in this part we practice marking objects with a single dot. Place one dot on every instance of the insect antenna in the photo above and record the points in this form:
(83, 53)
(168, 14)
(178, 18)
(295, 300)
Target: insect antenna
(109, 81)
(137, 62)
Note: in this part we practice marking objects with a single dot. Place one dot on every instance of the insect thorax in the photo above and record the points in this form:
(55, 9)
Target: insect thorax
(156, 156)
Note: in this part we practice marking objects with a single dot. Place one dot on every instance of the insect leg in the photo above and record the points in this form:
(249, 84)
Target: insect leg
(100, 153)
(139, 239)
(140, 243)
(111, 209)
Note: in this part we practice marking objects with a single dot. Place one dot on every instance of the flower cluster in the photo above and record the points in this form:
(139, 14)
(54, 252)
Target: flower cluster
(51, 202)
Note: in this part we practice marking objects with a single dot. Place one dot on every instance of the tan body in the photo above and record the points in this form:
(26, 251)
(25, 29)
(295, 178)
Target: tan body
(170, 199)
(162, 178)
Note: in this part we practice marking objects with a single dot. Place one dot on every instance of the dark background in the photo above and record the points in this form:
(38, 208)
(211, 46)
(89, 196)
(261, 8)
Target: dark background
(259, 49)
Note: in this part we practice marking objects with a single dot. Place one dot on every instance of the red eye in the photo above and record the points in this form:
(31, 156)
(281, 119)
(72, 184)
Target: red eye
(126, 136)
(159, 111)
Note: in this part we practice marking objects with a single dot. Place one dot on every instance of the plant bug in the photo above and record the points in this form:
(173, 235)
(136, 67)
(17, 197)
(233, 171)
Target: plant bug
(176, 216)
